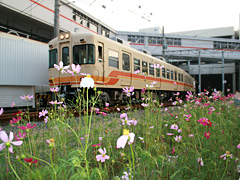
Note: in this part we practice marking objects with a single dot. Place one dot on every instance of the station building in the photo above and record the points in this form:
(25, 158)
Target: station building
(211, 56)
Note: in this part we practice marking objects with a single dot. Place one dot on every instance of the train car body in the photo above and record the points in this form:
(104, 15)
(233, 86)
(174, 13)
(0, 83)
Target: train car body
(112, 65)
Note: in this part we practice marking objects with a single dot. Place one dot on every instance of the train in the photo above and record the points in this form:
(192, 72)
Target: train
(113, 65)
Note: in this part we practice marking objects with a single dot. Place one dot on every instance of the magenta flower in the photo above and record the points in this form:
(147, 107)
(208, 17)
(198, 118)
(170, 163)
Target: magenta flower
(43, 113)
(129, 91)
(189, 95)
(143, 90)
(174, 126)
(20, 136)
(96, 145)
(75, 69)
(55, 102)
(226, 155)
(14, 120)
(7, 141)
(61, 68)
(203, 121)
(27, 127)
(188, 116)
(122, 140)
(107, 104)
(207, 135)
(26, 98)
(173, 150)
(30, 160)
(102, 157)
(1, 111)
(200, 161)
(54, 90)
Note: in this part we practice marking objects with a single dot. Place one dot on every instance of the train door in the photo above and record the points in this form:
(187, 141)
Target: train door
(126, 77)
(100, 59)
(64, 54)
(158, 79)
(175, 79)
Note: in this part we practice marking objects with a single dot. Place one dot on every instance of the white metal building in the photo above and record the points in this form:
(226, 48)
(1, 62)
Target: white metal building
(23, 67)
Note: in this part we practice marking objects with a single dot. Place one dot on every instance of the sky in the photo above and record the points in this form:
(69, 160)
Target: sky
(174, 15)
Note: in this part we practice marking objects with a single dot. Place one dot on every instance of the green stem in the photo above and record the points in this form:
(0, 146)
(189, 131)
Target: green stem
(11, 166)
(133, 160)
(225, 169)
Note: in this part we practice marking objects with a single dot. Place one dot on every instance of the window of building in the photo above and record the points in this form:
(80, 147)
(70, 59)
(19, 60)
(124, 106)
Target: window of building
(136, 39)
(113, 58)
(145, 67)
(84, 54)
(136, 64)
(52, 58)
(125, 62)
(65, 56)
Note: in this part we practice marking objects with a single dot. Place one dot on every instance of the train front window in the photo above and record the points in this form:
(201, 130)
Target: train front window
(65, 56)
(84, 54)
(52, 58)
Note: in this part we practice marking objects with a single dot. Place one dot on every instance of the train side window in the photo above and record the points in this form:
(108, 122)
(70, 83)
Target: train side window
(100, 53)
(168, 74)
(52, 58)
(179, 77)
(65, 56)
(158, 72)
(136, 64)
(172, 74)
(182, 77)
(163, 72)
(175, 75)
(125, 62)
(113, 58)
(144, 67)
(151, 69)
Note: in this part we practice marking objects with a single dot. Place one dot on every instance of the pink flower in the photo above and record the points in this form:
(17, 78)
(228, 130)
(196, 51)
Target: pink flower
(75, 69)
(203, 121)
(129, 91)
(169, 134)
(134, 122)
(177, 94)
(20, 136)
(61, 68)
(143, 90)
(55, 102)
(144, 105)
(54, 90)
(118, 109)
(174, 126)
(238, 146)
(188, 116)
(191, 135)
(226, 155)
(173, 150)
(137, 71)
(14, 120)
(27, 127)
(200, 161)
(13, 104)
(174, 83)
(207, 135)
(122, 140)
(157, 66)
(123, 115)
(178, 138)
(100, 138)
(1, 111)
(102, 157)
(107, 104)
(46, 119)
(154, 82)
(43, 113)
(26, 98)
(7, 141)
(30, 160)
(50, 142)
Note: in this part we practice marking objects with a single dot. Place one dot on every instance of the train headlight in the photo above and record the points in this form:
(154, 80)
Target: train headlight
(61, 36)
(67, 36)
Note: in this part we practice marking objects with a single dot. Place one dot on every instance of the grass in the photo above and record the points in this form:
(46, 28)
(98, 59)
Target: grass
(75, 143)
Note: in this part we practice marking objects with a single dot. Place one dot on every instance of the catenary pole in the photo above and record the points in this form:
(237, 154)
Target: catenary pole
(56, 18)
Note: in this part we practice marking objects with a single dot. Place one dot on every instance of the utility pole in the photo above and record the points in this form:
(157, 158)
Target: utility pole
(56, 18)
(164, 43)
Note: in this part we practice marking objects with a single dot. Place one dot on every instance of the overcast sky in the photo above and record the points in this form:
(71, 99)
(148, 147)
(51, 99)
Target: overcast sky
(174, 15)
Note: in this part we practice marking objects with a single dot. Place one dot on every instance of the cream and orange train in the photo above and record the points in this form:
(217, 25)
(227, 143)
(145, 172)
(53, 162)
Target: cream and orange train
(112, 65)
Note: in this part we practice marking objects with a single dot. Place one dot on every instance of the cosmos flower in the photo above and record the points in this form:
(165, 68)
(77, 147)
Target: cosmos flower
(50, 142)
(137, 71)
(26, 98)
(54, 90)
(102, 157)
(20, 136)
(126, 176)
(122, 140)
(157, 66)
(173, 150)
(13, 104)
(129, 91)
(207, 135)
(61, 68)
(75, 69)
(174, 126)
(7, 141)
(43, 113)
(203, 121)
(226, 155)
(188, 116)
(191, 135)
(106, 104)
(169, 134)
(200, 161)
(46, 119)
(238, 146)
(144, 105)
(27, 127)
(30, 160)
(14, 120)
(87, 82)
(55, 102)
(178, 138)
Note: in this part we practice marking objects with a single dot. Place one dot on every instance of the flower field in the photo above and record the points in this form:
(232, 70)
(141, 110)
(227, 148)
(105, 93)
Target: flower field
(197, 138)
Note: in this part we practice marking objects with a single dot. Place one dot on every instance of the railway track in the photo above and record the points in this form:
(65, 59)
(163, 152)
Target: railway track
(34, 113)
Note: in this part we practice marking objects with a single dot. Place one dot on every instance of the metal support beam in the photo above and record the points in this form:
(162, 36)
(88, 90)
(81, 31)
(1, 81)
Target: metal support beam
(199, 71)
(234, 82)
(223, 81)
(56, 18)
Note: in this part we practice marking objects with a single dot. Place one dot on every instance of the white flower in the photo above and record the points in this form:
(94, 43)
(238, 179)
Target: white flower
(122, 140)
(87, 82)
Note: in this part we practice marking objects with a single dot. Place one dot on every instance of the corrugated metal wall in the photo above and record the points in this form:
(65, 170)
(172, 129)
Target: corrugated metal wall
(23, 62)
